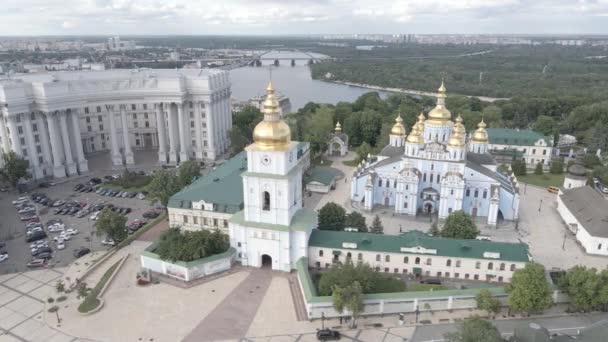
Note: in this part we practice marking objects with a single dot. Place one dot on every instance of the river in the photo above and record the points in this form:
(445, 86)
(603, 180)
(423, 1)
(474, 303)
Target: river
(294, 82)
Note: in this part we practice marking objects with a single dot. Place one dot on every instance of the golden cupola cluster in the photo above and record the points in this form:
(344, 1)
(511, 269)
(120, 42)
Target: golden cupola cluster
(458, 134)
(415, 136)
(398, 128)
(440, 115)
(272, 133)
(480, 135)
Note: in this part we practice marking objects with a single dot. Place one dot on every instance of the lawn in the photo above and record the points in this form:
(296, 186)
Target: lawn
(351, 163)
(413, 287)
(545, 180)
(91, 301)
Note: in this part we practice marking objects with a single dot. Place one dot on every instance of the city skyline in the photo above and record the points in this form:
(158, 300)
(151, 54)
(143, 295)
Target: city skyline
(301, 17)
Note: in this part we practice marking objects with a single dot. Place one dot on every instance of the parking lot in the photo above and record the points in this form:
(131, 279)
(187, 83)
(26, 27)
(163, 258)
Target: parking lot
(13, 231)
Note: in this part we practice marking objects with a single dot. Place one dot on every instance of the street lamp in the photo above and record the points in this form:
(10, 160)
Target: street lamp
(540, 204)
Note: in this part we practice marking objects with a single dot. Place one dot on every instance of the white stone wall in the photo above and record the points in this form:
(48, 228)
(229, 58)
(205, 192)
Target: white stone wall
(193, 219)
(186, 273)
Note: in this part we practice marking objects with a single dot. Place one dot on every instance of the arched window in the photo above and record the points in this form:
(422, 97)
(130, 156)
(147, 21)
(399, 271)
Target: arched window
(490, 265)
(360, 256)
(348, 255)
(417, 261)
(457, 263)
(424, 177)
(378, 257)
(387, 258)
(502, 266)
(379, 182)
(478, 265)
(485, 194)
(512, 267)
(431, 178)
(320, 252)
(448, 262)
(429, 261)
(406, 260)
(476, 193)
(266, 204)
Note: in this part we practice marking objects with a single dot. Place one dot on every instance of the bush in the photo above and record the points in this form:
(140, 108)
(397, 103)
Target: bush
(131, 180)
(53, 308)
(342, 275)
(557, 166)
(50, 300)
(61, 299)
(539, 169)
(175, 245)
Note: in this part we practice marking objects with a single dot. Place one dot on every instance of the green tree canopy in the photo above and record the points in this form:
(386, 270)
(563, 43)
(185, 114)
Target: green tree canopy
(332, 217)
(175, 245)
(601, 173)
(243, 123)
(356, 220)
(343, 274)
(475, 330)
(349, 298)
(545, 125)
(112, 225)
(485, 301)
(15, 168)
(529, 290)
(538, 170)
(586, 288)
(519, 167)
(557, 166)
(163, 185)
(377, 227)
(459, 225)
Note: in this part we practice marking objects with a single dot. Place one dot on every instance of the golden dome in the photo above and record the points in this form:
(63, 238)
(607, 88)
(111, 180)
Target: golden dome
(459, 127)
(440, 115)
(415, 136)
(338, 127)
(456, 140)
(398, 128)
(272, 133)
(480, 135)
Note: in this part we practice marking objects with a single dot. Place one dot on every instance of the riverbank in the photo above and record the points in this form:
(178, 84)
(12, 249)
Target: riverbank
(406, 91)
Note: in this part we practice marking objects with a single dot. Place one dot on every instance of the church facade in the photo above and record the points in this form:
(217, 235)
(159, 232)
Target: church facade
(436, 169)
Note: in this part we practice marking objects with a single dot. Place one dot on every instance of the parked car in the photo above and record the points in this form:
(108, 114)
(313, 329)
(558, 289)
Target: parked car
(433, 281)
(3, 257)
(77, 187)
(79, 252)
(37, 251)
(53, 221)
(27, 210)
(150, 214)
(35, 236)
(60, 246)
(108, 242)
(108, 177)
(35, 229)
(44, 185)
(20, 200)
(94, 181)
(95, 216)
(31, 225)
(45, 255)
(71, 231)
(30, 218)
(328, 335)
(58, 203)
(141, 196)
(36, 263)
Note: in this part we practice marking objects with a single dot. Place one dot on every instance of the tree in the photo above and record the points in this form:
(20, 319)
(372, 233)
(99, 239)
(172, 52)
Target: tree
(474, 330)
(332, 217)
(187, 172)
(459, 225)
(601, 173)
(363, 151)
(434, 230)
(349, 298)
(557, 166)
(175, 245)
(356, 220)
(15, 168)
(485, 301)
(163, 185)
(342, 274)
(112, 225)
(599, 137)
(583, 286)
(591, 160)
(539, 169)
(529, 290)
(243, 123)
(377, 227)
(545, 125)
(519, 167)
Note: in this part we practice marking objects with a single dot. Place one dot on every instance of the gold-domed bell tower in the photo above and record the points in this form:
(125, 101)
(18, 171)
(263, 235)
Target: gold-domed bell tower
(479, 139)
(272, 133)
(397, 135)
(438, 126)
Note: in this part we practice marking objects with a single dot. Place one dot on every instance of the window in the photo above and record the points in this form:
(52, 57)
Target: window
(194, 219)
(485, 194)
(360, 257)
(405, 271)
(88, 120)
(36, 138)
(406, 260)
(417, 261)
(478, 265)
(133, 107)
(476, 277)
(266, 199)
(40, 160)
(439, 274)
(533, 151)
(525, 150)
(512, 267)
(500, 279)
(387, 258)
(405, 205)
(99, 118)
(185, 218)
(38, 149)
(544, 152)
(89, 128)
(22, 140)
(396, 270)
(379, 182)
(490, 265)
(599, 246)
(215, 222)
(431, 178)
(386, 270)
(449, 210)
(424, 177)
(320, 252)
(468, 192)
(191, 124)
(225, 223)
(86, 110)
(348, 255)
(98, 109)
(456, 275)
(395, 184)
(457, 263)
(20, 130)
(429, 261)
(147, 124)
(447, 274)
(101, 127)
(448, 262)
(466, 276)
(378, 258)
(438, 178)
(145, 106)
(34, 127)
(452, 192)
(476, 193)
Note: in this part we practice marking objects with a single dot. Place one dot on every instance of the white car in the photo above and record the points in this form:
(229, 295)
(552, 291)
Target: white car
(60, 245)
(71, 231)
(57, 227)
(94, 216)
(108, 242)
(65, 236)
(58, 203)
(20, 200)
(3, 257)
(141, 196)
(26, 209)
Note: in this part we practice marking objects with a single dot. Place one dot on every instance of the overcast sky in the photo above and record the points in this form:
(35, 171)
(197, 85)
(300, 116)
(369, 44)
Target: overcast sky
(278, 17)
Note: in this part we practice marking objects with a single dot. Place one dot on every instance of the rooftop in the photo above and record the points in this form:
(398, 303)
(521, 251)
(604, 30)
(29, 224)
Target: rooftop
(519, 137)
(321, 174)
(475, 249)
(590, 209)
(223, 187)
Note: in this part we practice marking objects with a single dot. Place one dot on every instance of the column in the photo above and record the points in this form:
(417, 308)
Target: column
(160, 129)
(58, 168)
(32, 152)
(67, 149)
(82, 163)
(116, 157)
(181, 122)
(3, 133)
(210, 129)
(125, 136)
(172, 139)
(198, 130)
(16, 142)
(44, 140)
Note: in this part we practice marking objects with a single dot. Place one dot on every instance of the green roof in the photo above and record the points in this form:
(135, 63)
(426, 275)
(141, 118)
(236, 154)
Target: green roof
(303, 220)
(457, 248)
(223, 187)
(519, 137)
(321, 174)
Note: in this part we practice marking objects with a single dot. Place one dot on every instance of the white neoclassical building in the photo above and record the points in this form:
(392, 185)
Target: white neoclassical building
(55, 119)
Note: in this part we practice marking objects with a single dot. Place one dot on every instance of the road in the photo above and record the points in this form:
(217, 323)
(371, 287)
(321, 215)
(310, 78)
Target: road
(568, 325)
